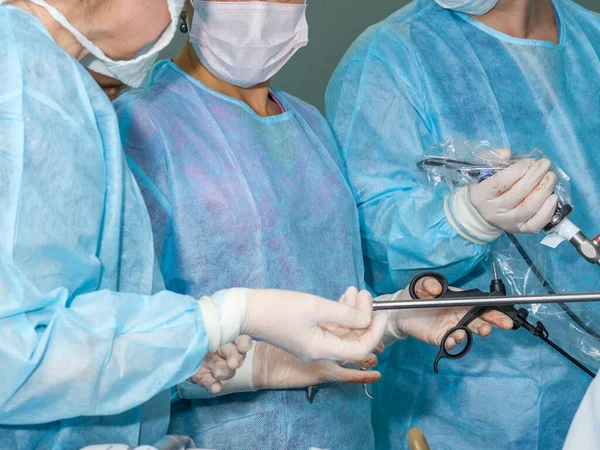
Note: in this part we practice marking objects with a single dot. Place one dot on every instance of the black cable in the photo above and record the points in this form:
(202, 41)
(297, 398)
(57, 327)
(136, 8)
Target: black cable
(540, 331)
(578, 320)
(568, 356)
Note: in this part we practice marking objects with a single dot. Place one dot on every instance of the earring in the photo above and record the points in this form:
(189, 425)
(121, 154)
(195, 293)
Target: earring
(183, 25)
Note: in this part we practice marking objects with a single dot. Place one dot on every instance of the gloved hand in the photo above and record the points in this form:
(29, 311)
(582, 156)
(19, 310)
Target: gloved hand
(517, 199)
(221, 365)
(298, 323)
(275, 369)
(268, 367)
(430, 325)
(356, 299)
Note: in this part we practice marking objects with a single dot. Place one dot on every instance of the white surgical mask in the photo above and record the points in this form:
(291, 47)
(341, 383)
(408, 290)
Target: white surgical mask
(131, 72)
(475, 7)
(247, 43)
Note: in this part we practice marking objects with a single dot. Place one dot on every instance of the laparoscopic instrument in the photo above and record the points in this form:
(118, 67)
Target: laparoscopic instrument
(480, 302)
(560, 227)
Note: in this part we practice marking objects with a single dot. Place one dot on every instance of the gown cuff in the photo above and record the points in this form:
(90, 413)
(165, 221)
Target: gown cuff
(466, 220)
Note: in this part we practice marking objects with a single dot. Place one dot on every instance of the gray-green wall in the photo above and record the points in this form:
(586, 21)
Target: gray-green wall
(333, 24)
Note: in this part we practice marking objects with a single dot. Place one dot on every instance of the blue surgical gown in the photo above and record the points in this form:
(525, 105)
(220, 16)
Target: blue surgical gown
(82, 338)
(237, 199)
(424, 75)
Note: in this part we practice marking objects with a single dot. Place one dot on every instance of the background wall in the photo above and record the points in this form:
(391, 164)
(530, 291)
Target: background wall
(333, 24)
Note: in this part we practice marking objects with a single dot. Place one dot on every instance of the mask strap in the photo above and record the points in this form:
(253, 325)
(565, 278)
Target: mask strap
(62, 20)
(91, 47)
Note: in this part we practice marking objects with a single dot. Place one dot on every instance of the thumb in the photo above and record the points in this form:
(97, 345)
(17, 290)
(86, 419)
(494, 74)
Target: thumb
(428, 287)
(356, 346)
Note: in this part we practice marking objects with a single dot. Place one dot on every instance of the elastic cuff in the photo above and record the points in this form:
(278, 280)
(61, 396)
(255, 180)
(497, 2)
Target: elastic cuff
(211, 323)
(231, 307)
(392, 333)
(466, 220)
(243, 380)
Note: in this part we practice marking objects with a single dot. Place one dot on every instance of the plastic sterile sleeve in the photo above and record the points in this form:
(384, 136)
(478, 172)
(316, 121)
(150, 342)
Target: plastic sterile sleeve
(520, 260)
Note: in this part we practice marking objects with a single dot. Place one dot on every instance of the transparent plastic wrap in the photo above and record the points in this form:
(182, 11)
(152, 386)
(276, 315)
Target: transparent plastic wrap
(521, 260)
(458, 162)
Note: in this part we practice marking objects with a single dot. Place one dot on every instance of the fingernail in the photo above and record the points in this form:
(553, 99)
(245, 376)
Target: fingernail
(544, 164)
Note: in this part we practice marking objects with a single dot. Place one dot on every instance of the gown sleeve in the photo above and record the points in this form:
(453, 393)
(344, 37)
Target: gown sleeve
(378, 111)
(69, 345)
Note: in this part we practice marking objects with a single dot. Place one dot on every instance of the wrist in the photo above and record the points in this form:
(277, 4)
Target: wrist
(394, 331)
(257, 300)
(466, 220)
(223, 314)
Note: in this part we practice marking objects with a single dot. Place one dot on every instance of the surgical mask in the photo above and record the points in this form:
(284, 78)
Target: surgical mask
(131, 72)
(475, 7)
(247, 43)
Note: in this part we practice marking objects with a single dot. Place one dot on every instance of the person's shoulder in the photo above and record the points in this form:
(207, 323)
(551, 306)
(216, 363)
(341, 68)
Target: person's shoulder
(41, 78)
(396, 31)
(581, 18)
(27, 47)
(579, 12)
(581, 23)
(25, 43)
(395, 45)
(415, 14)
(157, 93)
(17, 28)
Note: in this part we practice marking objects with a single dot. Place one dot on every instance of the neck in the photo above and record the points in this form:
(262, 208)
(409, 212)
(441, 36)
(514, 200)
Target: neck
(525, 19)
(256, 97)
(60, 35)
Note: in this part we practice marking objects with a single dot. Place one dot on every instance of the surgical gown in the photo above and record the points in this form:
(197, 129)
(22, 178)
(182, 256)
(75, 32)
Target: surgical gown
(422, 76)
(584, 433)
(82, 338)
(238, 199)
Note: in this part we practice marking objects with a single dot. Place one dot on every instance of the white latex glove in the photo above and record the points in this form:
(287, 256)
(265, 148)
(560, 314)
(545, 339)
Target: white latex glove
(364, 301)
(430, 325)
(221, 366)
(171, 442)
(268, 367)
(275, 369)
(298, 323)
(517, 200)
